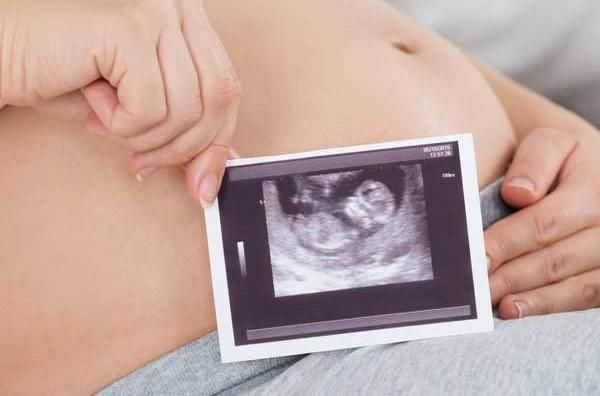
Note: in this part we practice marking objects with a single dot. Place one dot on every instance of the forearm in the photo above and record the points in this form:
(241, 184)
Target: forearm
(5, 9)
(2, 55)
(528, 110)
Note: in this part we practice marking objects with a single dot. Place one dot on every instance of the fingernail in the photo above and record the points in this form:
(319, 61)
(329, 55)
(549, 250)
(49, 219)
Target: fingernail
(522, 308)
(207, 192)
(145, 172)
(522, 182)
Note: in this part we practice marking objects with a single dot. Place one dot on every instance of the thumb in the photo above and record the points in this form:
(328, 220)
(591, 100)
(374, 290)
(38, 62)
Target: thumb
(536, 166)
(205, 173)
(103, 100)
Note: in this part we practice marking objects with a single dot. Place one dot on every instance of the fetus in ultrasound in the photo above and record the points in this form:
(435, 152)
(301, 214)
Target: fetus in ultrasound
(345, 230)
(330, 211)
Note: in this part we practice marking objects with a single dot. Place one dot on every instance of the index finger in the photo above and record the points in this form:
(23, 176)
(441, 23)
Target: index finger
(555, 217)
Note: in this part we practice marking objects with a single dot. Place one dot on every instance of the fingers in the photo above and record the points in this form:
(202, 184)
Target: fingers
(557, 216)
(575, 293)
(132, 68)
(181, 110)
(185, 147)
(101, 91)
(220, 85)
(220, 91)
(95, 126)
(205, 172)
(200, 175)
(536, 165)
(576, 254)
(183, 95)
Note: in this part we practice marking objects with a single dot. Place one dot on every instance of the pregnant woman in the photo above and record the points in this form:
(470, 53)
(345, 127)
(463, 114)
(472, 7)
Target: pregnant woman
(101, 275)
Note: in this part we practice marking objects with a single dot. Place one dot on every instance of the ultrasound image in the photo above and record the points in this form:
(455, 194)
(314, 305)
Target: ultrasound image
(347, 230)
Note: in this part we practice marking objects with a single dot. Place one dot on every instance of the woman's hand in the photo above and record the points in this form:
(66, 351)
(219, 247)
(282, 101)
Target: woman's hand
(151, 75)
(546, 257)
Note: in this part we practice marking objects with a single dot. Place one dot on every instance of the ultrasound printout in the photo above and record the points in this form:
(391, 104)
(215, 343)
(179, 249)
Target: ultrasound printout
(348, 247)
(347, 230)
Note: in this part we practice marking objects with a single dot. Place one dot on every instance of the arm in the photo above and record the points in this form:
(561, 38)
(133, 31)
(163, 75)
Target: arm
(528, 110)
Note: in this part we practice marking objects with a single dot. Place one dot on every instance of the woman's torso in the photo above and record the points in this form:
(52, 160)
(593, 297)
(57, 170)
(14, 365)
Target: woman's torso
(100, 274)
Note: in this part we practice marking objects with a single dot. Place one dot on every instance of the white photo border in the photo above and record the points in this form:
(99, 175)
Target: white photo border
(484, 321)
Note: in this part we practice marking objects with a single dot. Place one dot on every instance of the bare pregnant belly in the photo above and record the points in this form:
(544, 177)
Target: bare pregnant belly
(99, 274)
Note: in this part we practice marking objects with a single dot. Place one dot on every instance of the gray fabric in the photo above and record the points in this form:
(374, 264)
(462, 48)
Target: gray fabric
(546, 355)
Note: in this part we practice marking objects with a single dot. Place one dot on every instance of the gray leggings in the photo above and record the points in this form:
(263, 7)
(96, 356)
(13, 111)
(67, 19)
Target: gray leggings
(544, 355)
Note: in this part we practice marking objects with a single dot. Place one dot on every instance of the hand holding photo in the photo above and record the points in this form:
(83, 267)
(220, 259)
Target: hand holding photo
(348, 247)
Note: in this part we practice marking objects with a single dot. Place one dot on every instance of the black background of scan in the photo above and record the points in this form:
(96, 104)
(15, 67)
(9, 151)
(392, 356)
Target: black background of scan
(252, 300)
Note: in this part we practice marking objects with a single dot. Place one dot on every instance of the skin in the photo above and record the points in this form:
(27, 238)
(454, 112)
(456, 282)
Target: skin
(151, 76)
(543, 259)
(100, 274)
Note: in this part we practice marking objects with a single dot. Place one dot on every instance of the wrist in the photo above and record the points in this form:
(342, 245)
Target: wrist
(4, 56)
(8, 24)
(3, 6)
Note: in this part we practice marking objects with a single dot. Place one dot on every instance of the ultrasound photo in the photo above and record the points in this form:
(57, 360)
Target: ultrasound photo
(346, 230)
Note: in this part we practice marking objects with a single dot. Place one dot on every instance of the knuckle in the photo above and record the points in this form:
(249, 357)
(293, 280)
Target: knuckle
(497, 249)
(192, 117)
(225, 92)
(183, 153)
(542, 307)
(591, 294)
(544, 227)
(125, 128)
(129, 125)
(150, 120)
(555, 136)
(159, 116)
(137, 145)
(555, 263)
(595, 201)
(506, 285)
(178, 123)
(119, 129)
